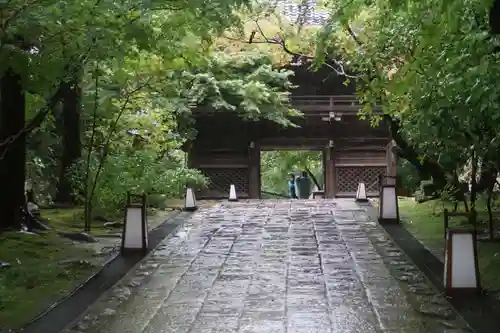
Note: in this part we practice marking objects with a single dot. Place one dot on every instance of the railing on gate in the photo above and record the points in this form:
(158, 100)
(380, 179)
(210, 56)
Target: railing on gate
(318, 103)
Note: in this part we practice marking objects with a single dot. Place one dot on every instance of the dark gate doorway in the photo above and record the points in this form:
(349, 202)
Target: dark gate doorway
(276, 166)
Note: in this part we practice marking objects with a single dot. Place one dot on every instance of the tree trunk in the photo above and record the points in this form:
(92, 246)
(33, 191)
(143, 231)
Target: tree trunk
(460, 191)
(473, 190)
(491, 224)
(12, 152)
(71, 140)
(494, 18)
(487, 178)
(315, 181)
(426, 168)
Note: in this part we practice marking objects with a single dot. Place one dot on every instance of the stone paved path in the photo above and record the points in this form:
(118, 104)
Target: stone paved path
(275, 266)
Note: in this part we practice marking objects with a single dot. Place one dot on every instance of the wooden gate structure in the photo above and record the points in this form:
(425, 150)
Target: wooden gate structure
(227, 148)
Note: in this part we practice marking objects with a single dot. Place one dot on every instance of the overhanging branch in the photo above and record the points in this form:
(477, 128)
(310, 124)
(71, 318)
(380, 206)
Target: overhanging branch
(336, 65)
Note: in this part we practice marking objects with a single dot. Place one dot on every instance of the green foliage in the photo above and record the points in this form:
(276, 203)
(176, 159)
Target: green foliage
(246, 83)
(276, 167)
(143, 67)
(429, 64)
(139, 172)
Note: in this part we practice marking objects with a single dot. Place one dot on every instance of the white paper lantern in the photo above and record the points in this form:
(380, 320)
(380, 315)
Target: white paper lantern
(388, 201)
(461, 270)
(232, 193)
(361, 193)
(190, 200)
(135, 227)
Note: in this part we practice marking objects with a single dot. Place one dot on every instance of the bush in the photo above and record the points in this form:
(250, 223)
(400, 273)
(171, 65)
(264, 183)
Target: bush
(140, 172)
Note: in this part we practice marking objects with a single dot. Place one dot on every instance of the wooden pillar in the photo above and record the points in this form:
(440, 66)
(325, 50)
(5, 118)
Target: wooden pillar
(391, 160)
(254, 171)
(329, 170)
(190, 155)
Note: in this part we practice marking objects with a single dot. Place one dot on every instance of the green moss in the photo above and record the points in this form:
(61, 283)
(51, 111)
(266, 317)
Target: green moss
(72, 219)
(36, 279)
(425, 221)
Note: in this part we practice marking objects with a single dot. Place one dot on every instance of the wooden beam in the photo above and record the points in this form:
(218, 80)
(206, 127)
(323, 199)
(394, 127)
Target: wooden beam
(329, 170)
(293, 143)
(221, 166)
(391, 160)
(318, 104)
(362, 138)
(360, 148)
(313, 105)
(254, 172)
(358, 165)
(324, 111)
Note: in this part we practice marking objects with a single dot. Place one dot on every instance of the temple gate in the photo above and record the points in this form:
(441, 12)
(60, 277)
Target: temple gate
(227, 148)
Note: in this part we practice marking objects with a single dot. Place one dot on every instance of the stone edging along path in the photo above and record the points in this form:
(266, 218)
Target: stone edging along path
(480, 313)
(63, 313)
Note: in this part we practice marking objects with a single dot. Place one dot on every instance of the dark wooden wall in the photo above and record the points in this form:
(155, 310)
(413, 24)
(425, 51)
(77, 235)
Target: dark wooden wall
(221, 152)
(227, 150)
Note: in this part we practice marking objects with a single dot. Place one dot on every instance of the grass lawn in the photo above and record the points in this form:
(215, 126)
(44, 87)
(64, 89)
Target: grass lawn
(425, 221)
(37, 278)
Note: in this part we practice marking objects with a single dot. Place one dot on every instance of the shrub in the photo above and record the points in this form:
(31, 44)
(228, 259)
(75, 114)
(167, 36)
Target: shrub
(139, 172)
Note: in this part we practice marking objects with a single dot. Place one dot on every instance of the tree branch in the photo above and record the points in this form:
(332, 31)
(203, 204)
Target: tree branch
(353, 35)
(425, 166)
(336, 65)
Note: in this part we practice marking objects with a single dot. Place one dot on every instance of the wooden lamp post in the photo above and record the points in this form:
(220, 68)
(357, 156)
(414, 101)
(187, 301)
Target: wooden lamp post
(135, 227)
(388, 200)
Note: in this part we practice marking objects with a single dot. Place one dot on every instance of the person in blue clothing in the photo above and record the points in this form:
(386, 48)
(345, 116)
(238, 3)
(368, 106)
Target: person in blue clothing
(303, 186)
(291, 186)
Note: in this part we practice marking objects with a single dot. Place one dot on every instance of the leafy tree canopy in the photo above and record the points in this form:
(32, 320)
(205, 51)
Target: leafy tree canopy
(123, 76)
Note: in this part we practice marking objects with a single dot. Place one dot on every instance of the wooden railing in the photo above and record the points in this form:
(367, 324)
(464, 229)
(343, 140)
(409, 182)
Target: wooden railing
(329, 100)
(318, 103)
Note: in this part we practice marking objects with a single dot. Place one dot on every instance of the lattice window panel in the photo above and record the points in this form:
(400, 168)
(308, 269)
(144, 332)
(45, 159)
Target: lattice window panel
(222, 178)
(349, 177)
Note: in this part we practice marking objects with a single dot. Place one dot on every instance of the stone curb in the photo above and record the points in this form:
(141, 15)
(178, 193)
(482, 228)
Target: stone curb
(479, 313)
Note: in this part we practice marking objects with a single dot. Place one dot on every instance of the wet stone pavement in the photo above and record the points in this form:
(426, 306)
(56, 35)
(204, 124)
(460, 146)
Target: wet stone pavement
(275, 266)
